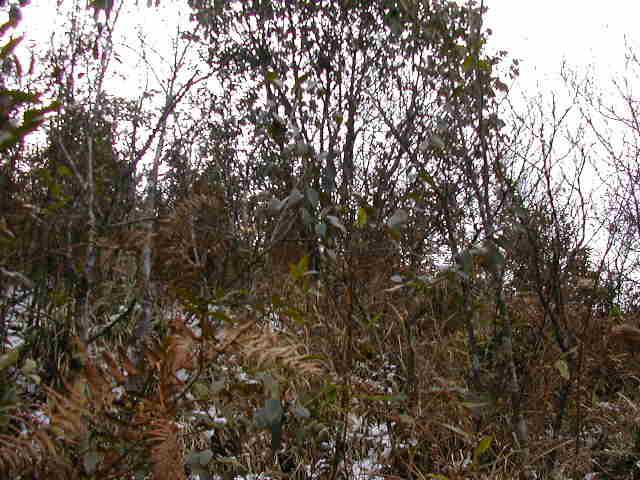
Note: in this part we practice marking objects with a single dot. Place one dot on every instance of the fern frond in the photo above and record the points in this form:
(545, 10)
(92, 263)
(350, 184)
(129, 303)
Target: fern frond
(32, 450)
(269, 349)
(166, 452)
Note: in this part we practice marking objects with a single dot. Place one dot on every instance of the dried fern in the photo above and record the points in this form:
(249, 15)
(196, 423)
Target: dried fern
(167, 451)
(26, 452)
(268, 349)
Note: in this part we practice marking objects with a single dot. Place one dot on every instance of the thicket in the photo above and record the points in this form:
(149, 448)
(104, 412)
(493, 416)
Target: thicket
(330, 243)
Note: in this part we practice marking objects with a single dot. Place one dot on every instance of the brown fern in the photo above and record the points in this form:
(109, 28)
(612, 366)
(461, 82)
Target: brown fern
(167, 451)
(270, 349)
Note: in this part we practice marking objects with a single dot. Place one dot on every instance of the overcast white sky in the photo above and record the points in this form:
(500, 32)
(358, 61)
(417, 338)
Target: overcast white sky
(544, 32)
(539, 32)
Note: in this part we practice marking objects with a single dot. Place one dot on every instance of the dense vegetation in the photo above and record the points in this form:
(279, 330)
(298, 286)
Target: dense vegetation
(328, 244)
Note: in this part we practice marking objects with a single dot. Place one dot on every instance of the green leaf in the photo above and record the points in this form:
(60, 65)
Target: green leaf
(363, 218)
(437, 142)
(201, 472)
(468, 63)
(272, 77)
(307, 218)
(429, 179)
(64, 171)
(399, 218)
(384, 398)
(563, 368)
(335, 221)
(271, 417)
(30, 366)
(276, 436)
(297, 87)
(271, 385)
(485, 65)
(192, 458)
(198, 461)
(205, 457)
(298, 270)
(482, 447)
(314, 197)
(301, 412)
(9, 47)
(404, 418)
(272, 411)
(9, 359)
(277, 130)
(90, 461)
(200, 391)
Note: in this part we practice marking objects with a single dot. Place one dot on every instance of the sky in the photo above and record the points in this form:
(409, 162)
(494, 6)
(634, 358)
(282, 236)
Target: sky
(588, 34)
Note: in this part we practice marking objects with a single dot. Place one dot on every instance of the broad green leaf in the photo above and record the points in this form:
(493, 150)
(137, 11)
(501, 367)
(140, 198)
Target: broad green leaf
(395, 288)
(297, 87)
(563, 368)
(404, 418)
(90, 461)
(64, 171)
(272, 77)
(200, 471)
(384, 398)
(298, 270)
(217, 386)
(276, 436)
(335, 221)
(30, 366)
(192, 458)
(271, 385)
(301, 412)
(482, 447)
(200, 391)
(468, 63)
(329, 176)
(363, 218)
(307, 218)
(8, 47)
(271, 416)
(275, 206)
(294, 198)
(277, 130)
(321, 229)
(9, 359)
(314, 197)
(204, 457)
(399, 218)
(437, 141)
(496, 257)
(429, 179)
(302, 148)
